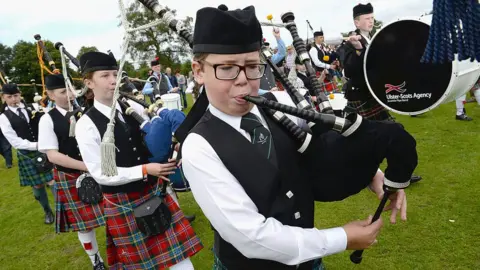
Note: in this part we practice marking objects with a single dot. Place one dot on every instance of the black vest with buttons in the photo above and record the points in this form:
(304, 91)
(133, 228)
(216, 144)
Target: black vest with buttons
(267, 82)
(24, 130)
(66, 145)
(279, 191)
(131, 150)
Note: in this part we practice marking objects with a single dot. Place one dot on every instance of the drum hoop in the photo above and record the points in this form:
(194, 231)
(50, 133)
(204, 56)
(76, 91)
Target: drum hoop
(439, 101)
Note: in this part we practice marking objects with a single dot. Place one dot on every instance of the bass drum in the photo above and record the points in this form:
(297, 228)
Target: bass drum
(400, 82)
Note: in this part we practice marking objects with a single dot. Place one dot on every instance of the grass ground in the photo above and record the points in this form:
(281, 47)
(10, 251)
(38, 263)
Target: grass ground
(442, 231)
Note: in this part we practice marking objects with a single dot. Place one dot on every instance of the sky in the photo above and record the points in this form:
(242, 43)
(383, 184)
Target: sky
(95, 22)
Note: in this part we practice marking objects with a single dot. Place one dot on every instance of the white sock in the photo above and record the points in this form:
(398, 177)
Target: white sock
(459, 103)
(90, 245)
(183, 265)
(477, 95)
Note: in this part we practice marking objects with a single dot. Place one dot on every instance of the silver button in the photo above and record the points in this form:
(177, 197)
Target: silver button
(134, 149)
(289, 194)
(129, 139)
(138, 158)
(297, 215)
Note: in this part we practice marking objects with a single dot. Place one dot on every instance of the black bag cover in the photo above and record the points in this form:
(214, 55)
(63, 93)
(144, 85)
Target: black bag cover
(88, 189)
(42, 163)
(153, 217)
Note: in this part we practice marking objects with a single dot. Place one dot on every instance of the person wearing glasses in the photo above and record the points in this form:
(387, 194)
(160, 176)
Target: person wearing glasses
(243, 168)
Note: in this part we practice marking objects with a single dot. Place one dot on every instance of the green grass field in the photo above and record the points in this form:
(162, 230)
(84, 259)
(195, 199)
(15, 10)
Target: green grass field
(442, 230)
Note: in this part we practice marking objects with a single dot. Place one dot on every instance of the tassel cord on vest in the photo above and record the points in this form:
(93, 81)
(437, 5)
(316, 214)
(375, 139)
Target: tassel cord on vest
(107, 147)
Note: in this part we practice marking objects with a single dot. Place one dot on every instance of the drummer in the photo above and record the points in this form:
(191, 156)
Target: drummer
(357, 93)
(164, 85)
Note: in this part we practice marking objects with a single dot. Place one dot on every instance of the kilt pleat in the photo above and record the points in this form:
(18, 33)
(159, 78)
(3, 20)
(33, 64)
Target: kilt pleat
(27, 171)
(128, 248)
(371, 110)
(71, 213)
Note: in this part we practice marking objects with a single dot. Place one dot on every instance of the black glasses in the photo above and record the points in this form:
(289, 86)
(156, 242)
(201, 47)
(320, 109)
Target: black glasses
(231, 71)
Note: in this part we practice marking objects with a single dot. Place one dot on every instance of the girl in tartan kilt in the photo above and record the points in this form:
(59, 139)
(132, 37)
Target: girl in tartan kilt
(61, 148)
(136, 181)
(20, 128)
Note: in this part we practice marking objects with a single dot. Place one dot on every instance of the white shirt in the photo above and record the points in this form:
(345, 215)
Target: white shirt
(365, 35)
(89, 140)
(314, 56)
(235, 216)
(138, 108)
(47, 139)
(12, 137)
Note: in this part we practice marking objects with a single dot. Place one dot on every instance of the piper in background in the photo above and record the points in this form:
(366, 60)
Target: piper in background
(133, 196)
(357, 93)
(20, 128)
(54, 139)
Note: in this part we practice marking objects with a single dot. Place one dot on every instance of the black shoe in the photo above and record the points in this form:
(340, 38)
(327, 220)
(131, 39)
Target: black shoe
(49, 218)
(415, 178)
(98, 264)
(190, 218)
(9, 166)
(463, 117)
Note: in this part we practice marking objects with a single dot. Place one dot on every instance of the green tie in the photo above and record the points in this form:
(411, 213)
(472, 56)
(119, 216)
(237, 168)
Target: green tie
(261, 136)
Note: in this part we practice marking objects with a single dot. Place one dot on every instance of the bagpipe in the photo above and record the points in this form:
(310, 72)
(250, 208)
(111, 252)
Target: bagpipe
(158, 133)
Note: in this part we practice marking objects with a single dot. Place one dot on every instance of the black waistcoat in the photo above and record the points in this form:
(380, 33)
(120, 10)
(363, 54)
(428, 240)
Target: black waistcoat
(131, 150)
(267, 81)
(356, 87)
(266, 184)
(320, 55)
(24, 130)
(66, 145)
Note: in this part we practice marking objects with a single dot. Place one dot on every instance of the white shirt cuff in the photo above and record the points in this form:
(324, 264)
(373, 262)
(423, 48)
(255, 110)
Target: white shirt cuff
(33, 146)
(44, 148)
(336, 240)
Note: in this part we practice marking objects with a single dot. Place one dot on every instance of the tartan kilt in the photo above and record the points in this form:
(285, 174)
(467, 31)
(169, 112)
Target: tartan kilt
(329, 86)
(27, 171)
(217, 264)
(128, 248)
(370, 110)
(71, 213)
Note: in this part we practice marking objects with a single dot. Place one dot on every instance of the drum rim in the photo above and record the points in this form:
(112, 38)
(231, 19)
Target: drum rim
(173, 96)
(440, 100)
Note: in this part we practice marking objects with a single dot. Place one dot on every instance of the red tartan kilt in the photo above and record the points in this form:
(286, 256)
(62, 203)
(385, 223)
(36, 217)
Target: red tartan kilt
(329, 86)
(71, 213)
(279, 85)
(128, 248)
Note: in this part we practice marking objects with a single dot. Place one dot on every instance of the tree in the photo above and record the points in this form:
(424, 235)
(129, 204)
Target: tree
(129, 68)
(25, 65)
(6, 55)
(143, 70)
(158, 40)
(377, 25)
(186, 67)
